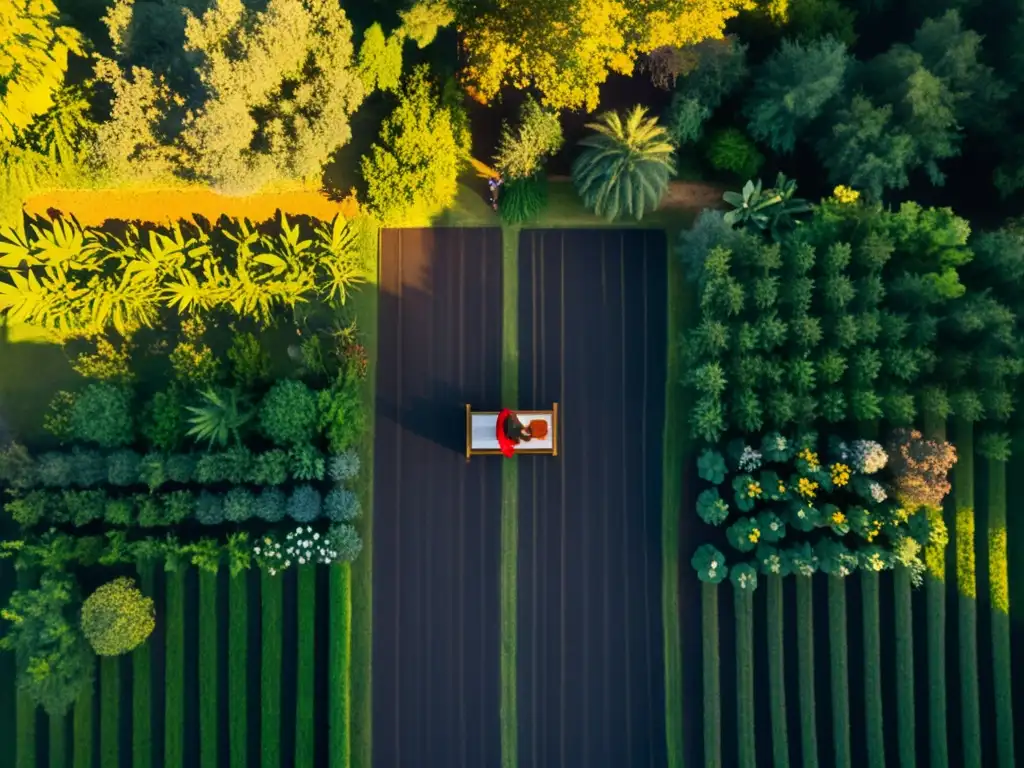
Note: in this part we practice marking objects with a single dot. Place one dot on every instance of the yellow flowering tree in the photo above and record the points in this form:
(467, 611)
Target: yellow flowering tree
(117, 618)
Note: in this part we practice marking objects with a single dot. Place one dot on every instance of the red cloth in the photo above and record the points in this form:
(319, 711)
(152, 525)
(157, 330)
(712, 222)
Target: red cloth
(507, 446)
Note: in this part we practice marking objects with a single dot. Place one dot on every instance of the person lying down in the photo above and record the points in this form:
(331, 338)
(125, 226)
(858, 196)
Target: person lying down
(516, 431)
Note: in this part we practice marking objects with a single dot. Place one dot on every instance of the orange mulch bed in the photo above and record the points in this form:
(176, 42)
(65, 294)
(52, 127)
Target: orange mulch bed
(93, 207)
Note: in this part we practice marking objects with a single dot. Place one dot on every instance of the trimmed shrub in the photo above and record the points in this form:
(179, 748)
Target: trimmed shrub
(731, 150)
(250, 363)
(17, 467)
(178, 507)
(83, 507)
(180, 468)
(209, 469)
(123, 468)
(164, 422)
(306, 463)
(55, 470)
(523, 200)
(271, 505)
(30, 509)
(102, 414)
(304, 504)
(151, 511)
(342, 506)
(209, 508)
(344, 467)
(344, 539)
(239, 505)
(236, 464)
(270, 468)
(118, 511)
(288, 413)
(153, 471)
(341, 417)
(117, 618)
(88, 468)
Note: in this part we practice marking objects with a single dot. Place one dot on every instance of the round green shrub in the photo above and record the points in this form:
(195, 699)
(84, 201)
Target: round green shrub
(180, 467)
(288, 413)
(89, 468)
(341, 506)
(344, 467)
(209, 508)
(270, 505)
(306, 463)
(102, 414)
(83, 507)
(178, 507)
(123, 468)
(209, 469)
(153, 470)
(731, 150)
(304, 504)
(345, 542)
(118, 512)
(269, 468)
(28, 510)
(236, 464)
(54, 470)
(164, 422)
(341, 415)
(117, 618)
(709, 564)
(151, 511)
(239, 505)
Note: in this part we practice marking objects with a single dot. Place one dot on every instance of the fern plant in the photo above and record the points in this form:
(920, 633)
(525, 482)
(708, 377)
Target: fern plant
(625, 166)
(220, 418)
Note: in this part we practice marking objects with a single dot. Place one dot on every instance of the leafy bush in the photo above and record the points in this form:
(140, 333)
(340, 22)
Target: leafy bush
(89, 468)
(343, 467)
(163, 419)
(123, 468)
(178, 507)
(102, 414)
(270, 468)
(108, 363)
(28, 510)
(54, 470)
(711, 507)
(83, 507)
(270, 505)
(57, 420)
(17, 467)
(236, 464)
(118, 512)
(306, 463)
(117, 618)
(521, 153)
(685, 119)
(193, 362)
(250, 363)
(153, 470)
(342, 505)
(288, 413)
(730, 150)
(920, 468)
(209, 469)
(345, 542)
(523, 199)
(711, 467)
(151, 511)
(709, 564)
(341, 416)
(304, 504)
(239, 505)
(180, 467)
(380, 59)
(209, 508)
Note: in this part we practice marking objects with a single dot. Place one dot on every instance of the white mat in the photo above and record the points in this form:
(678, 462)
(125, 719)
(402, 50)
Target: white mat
(484, 432)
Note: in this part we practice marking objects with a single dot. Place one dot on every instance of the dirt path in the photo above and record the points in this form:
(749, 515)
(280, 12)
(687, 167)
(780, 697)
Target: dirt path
(684, 195)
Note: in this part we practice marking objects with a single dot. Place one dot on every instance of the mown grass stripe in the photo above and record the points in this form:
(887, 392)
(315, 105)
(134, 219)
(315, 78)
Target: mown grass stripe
(904, 626)
(712, 676)
(110, 710)
(870, 618)
(209, 710)
(777, 673)
(967, 604)
(142, 684)
(935, 617)
(25, 708)
(839, 670)
(174, 671)
(82, 733)
(745, 732)
(339, 667)
(305, 744)
(271, 601)
(58, 741)
(805, 671)
(999, 595)
(238, 657)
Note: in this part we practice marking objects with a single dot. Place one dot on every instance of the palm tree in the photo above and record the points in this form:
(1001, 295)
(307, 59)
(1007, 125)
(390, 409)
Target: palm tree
(626, 165)
(219, 418)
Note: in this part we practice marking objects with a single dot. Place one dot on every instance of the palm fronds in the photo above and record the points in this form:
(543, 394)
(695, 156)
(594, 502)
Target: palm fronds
(219, 419)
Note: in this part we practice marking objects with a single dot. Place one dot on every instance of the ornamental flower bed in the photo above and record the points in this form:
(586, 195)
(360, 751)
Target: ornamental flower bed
(804, 503)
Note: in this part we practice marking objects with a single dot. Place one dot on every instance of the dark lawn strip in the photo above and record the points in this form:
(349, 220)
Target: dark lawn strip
(174, 671)
(745, 730)
(904, 626)
(8, 669)
(805, 670)
(25, 708)
(1000, 609)
(83, 743)
(272, 608)
(238, 656)
(777, 672)
(209, 709)
(110, 710)
(712, 663)
(870, 619)
(305, 745)
(839, 670)
(58, 741)
(142, 684)
(935, 618)
(339, 666)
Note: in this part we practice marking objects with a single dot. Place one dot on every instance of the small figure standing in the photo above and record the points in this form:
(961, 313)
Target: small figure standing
(493, 184)
(516, 431)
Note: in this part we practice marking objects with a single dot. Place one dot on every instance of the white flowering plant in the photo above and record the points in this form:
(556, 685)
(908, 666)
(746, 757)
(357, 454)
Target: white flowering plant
(300, 546)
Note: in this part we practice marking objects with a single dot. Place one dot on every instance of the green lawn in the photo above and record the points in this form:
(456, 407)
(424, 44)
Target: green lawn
(777, 672)
(142, 685)
(305, 667)
(839, 670)
(904, 623)
(82, 734)
(58, 741)
(272, 607)
(174, 671)
(339, 668)
(870, 620)
(805, 670)
(745, 730)
(238, 657)
(209, 729)
(110, 709)
(712, 662)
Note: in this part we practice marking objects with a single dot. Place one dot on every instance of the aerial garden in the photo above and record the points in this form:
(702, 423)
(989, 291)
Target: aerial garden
(191, 198)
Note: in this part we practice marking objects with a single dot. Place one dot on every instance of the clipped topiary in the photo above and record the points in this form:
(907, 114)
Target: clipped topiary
(271, 505)
(123, 468)
(239, 505)
(344, 467)
(288, 413)
(117, 618)
(209, 508)
(342, 506)
(345, 542)
(304, 504)
(102, 414)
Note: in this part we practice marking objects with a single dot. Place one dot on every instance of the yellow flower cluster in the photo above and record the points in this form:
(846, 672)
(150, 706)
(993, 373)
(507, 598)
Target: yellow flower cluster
(753, 489)
(874, 528)
(754, 536)
(810, 457)
(782, 487)
(840, 474)
(845, 194)
(902, 515)
(806, 488)
(838, 517)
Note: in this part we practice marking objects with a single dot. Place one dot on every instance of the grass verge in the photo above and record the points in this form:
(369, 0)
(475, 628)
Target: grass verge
(58, 741)
(967, 604)
(305, 744)
(871, 621)
(508, 567)
(174, 671)
(82, 734)
(805, 670)
(271, 603)
(904, 622)
(142, 685)
(999, 595)
(745, 734)
(935, 617)
(777, 673)
(339, 667)
(238, 655)
(712, 661)
(110, 709)
(839, 670)
(209, 728)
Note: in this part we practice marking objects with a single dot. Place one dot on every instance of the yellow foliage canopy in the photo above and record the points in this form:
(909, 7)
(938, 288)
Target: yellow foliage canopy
(566, 48)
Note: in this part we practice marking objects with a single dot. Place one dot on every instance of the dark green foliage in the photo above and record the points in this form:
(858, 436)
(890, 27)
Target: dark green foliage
(55, 470)
(811, 20)
(174, 661)
(209, 508)
(306, 463)
(220, 418)
(163, 420)
(180, 467)
(30, 509)
(712, 675)
(250, 363)
(89, 468)
(685, 119)
(270, 505)
(341, 415)
(17, 467)
(238, 654)
(270, 677)
(236, 464)
(150, 509)
(83, 507)
(102, 414)
(270, 468)
(153, 471)
(341, 505)
(119, 512)
(123, 468)
(288, 413)
(305, 693)
(730, 150)
(716, 67)
(346, 542)
(239, 505)
(304, 505)
(904, 631)
(209, 727)
(522, 200)
(343, 467)
(209, 469)
(178, 506)
(776, 672)
(805, 669)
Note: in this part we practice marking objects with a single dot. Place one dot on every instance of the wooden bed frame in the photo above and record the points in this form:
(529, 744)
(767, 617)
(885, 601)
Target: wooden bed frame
(488, 441)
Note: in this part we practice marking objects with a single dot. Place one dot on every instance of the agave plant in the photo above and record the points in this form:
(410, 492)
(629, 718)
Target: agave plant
(625, 166)
(220, 418)
(770, 209)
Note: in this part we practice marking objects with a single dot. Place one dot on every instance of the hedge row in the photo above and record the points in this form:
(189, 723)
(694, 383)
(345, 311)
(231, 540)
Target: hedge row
(209, 710)
(305, 692)
(110, 709)
(904, 626)
(777, 672)
(839, 670)
(142, 685)
(999, 592)
(271, 601)
(174, 665)
(744, 602)
(805, 671)
(82, 732)
(967, 605)
(238, 656)
(870, 619)
(712, 676)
